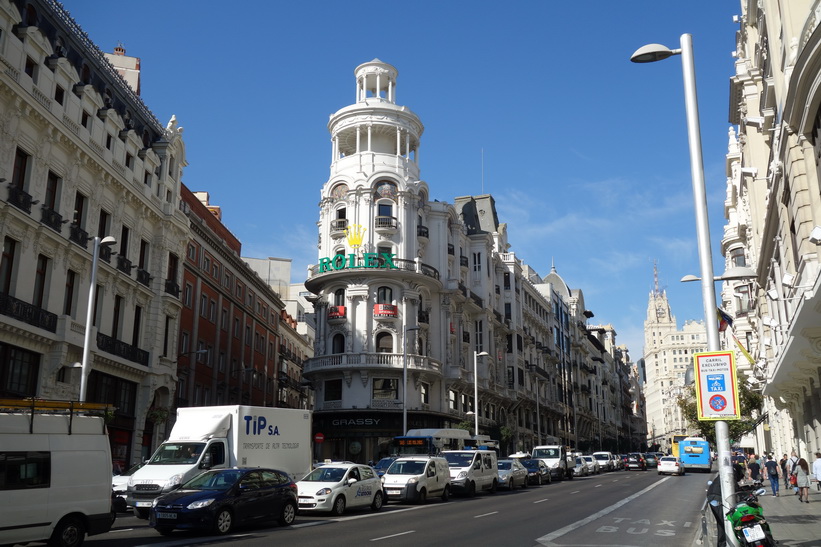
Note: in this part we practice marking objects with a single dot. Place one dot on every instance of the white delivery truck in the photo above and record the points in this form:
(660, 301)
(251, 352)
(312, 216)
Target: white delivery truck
(55, 472)
(555, 457)
(213, 437)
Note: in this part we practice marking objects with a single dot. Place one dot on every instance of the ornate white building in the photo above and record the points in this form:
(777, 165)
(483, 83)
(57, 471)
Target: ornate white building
(409, 283)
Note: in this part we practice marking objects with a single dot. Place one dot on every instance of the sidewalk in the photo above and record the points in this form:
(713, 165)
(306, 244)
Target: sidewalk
(793, 523)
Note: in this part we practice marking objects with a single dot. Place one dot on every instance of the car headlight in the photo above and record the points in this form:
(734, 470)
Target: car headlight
(555, 465)
(323, 492)
(131, 482)
(173, 480)
(154, 503)
(413, 480)
(200, 504)
(462, 475)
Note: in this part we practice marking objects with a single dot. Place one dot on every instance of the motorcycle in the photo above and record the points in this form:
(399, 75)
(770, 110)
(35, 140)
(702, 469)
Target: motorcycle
(747, 518)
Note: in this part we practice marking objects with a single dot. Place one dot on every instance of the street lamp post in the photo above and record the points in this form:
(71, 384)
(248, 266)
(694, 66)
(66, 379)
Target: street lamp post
(476, 356)
(657, 52)
(86, 366)
(405, 379)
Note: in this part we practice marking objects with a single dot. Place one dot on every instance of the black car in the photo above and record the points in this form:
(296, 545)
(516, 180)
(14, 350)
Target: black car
(537, 471)
(651, 459)
(636, 461)
(382, 465)
(220, 499)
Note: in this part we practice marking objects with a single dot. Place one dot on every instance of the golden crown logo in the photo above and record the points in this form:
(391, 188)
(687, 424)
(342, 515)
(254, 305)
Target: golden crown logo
(355, 234)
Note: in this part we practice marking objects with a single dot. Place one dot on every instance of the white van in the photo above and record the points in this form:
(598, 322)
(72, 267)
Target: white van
(55, 473)
(472, 470)
(416, 478)
(607, 461)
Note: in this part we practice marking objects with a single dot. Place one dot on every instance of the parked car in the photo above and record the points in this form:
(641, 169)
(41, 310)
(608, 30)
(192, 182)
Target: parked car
(593, 467)
(623, 458)
(382, 465)
(511, 474)
(336, 487)
(651, 459)
(416, 478)
(580, 469)
(119, 483)
(607, 461)
(220, 499)
(636, 461)
(670, 464)
(537, 471)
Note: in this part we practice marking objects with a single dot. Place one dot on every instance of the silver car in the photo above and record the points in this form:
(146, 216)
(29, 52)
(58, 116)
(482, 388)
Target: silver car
(511, 474)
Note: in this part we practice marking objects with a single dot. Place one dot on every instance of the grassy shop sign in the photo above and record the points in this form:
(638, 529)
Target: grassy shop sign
(351, 261)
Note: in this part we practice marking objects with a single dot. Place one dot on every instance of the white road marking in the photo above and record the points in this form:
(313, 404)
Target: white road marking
(548, 539)
(394, 535)
(540, 501)
(485, 515)
(120, 530)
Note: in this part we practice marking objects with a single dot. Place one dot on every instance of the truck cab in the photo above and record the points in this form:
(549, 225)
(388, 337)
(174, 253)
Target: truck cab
(555, 457)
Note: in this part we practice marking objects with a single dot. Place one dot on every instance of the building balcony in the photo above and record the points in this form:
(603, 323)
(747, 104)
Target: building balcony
(20, 199)
(123, 264)
(143, 277)
(52, 219)
(422, 232)
(172, 288)
(423, 317)
(385, 225)
(451, 249)
(373, 361)
(338, 226)
(27, 313)
(105, 253)
(78, 236)
(463, 262)
(121, 349)
(337, 314)
(385, 311)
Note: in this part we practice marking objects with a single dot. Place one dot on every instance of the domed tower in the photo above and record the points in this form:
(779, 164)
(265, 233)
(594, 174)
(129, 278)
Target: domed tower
(382, 246)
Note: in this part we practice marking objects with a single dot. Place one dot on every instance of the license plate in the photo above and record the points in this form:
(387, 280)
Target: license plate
(161, 515)
(143, 504)
(753, 533)
(394, 492)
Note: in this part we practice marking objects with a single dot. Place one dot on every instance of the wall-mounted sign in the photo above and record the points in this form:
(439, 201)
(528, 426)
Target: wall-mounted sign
(716, 386)
(351, 261)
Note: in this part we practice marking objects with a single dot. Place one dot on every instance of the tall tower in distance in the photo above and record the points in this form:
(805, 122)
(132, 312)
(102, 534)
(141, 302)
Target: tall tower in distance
(668, 353)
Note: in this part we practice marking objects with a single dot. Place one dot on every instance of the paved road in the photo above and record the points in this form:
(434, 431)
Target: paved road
(621, 509)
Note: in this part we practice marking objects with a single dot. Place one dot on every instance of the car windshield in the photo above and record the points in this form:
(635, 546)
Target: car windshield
(579, 461)
(504, 465)
(213, 480)
(408, 467)
(326, 474)
(546, 453)
(670, 459)
(531, 464)
(459, 459)
(601, 457)
(177, 453)
(384, 463)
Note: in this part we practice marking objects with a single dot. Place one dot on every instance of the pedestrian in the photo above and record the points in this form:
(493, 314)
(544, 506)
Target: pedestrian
(791, 463)
(816, 470)
(802, 476)
(782, 463)
(772, 471)
(755, 468)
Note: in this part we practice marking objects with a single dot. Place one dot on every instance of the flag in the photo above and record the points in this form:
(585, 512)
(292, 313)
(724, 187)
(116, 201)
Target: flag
(724, 320)
(744, 351)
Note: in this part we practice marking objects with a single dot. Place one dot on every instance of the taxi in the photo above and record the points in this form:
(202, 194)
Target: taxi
(336, 487)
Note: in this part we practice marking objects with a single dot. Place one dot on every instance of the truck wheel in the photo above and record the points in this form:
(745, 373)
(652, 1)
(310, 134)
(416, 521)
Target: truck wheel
(423, 497)
(471, 489)
(495, 487)
(223, 522)
(69, 532)
(378, 502)
(286, 518)
(569, 474)
(141, 513)
(446, 493)
(339, 506)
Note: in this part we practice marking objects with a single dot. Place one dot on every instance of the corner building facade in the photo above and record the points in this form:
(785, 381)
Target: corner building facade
(409, 285)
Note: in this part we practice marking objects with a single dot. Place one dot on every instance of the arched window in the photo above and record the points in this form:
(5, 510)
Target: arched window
(384, 342)
(339, 297)
(338, 343)
(384, 295)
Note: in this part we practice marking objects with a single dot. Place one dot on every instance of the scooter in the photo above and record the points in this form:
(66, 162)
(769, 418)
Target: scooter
(747, 518)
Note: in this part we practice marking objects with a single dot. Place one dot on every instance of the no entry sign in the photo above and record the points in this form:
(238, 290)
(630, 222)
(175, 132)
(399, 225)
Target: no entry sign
(716, 386)
(319, 438)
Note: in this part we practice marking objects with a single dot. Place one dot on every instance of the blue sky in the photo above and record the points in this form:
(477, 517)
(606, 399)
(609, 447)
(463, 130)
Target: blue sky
(585, 152)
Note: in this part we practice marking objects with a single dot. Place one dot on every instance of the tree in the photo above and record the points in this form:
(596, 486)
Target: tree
(750, 402)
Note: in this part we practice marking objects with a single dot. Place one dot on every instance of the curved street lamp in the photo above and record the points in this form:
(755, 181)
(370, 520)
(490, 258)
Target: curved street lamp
(86, 366)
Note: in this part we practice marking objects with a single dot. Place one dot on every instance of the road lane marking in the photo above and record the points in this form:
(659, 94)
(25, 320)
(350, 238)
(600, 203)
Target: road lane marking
(547, 540)
(120, 530)
(598, 486)
(485, 515)
(575, 492)
(540, 501)
(394, 535)
(307, 524)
